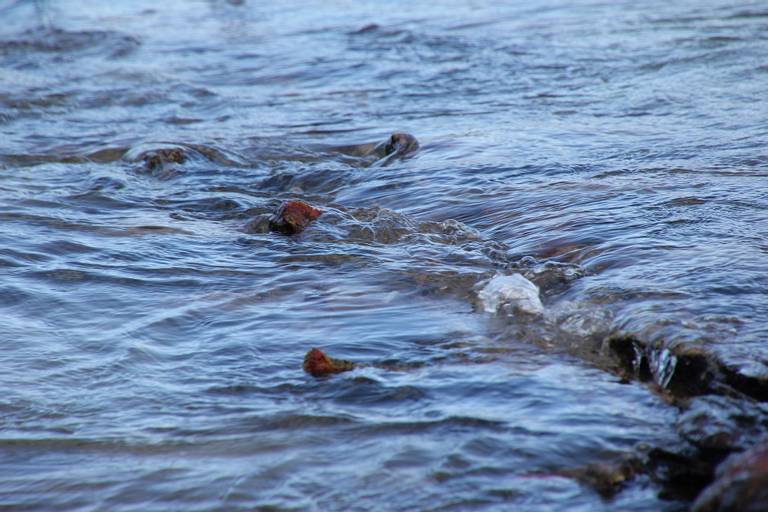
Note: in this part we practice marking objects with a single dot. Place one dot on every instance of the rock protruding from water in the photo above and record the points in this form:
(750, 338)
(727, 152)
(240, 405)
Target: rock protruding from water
(293, 217)
(157, 158)
(719, 425)
(741, 484)
(397, 146)
(511, 292)
(317, 364)
(607, 478)
(400, 144)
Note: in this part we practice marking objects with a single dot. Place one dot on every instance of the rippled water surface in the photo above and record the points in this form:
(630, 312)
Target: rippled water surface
(153, 329)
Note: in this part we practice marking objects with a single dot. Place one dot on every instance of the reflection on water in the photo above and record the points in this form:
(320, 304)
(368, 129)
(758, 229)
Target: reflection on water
(154, 328)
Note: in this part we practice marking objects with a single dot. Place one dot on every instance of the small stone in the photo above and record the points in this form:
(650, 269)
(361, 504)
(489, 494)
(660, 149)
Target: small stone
(401, 144)
(607, 478)
(317, 364)
(293, 217)
(157, 159)
(511, 291)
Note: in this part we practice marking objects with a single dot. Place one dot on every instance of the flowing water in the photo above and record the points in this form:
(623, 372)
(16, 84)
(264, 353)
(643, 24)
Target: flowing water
(153, 330)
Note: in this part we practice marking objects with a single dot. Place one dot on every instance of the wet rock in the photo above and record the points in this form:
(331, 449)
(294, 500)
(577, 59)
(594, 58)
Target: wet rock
(157, 159)
(741, 484)
(752, 385)
(721, 413)
(317, 364)
(293, 217)
(683, 371)
(694, 373)
(719, 425)
(681, 474)
(513, 291)
(160, 160)
(607, 478)
(399, 144)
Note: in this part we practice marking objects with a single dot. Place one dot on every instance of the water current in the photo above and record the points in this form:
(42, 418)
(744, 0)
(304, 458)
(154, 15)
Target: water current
(153, 329)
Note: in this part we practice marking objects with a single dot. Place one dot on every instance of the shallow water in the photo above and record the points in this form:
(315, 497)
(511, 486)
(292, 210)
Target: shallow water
(614, 153)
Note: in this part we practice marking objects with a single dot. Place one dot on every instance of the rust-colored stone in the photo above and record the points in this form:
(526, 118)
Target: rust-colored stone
(317, 364)
(293, 217)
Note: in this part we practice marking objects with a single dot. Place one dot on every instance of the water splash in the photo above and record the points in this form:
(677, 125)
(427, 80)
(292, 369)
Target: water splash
(662, 363)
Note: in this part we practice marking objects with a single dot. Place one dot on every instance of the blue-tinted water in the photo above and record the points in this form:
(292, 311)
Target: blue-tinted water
(153, 329)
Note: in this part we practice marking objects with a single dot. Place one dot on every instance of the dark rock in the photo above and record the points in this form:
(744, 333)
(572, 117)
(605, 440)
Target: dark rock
(694, 373)
(741, 484)
(397, 145)
(629, 354)
(719, 425)
(157, 159)
(317, 364)
(682, 475)
(400, 144)
(755, 386)
(293, 217)
(688, 371)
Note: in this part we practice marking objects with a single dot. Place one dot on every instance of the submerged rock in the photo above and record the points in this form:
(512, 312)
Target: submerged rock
(609, 477)
(399, 144)
(512, 291)
(317, 364)
(718, 425)
(741, 484)
(681, 471)
(157, 159)
(293, 217)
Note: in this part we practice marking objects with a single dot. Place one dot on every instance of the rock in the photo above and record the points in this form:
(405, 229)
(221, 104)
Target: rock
(399, 144)
(741, 484)
(293, 217)
(682, 473)
(158, 159)
(317, 364)
(719, 425)
(513, 291)
(684, 371)
(609, 477)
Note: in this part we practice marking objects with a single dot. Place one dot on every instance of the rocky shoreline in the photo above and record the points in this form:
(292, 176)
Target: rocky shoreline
(721, 460)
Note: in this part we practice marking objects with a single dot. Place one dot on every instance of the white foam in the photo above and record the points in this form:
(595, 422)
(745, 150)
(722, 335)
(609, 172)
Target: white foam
(514, 291)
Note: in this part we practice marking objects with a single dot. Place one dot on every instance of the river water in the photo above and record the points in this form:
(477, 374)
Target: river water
(153, 329)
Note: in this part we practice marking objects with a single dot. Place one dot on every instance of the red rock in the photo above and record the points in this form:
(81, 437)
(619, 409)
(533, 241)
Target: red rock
(317, 364)
(293, 217)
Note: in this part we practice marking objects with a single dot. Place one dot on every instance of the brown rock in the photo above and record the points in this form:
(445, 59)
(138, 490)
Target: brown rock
(317, 364)
(401, 144)
(157, 159)
(607, 478)
(741, 484)
(293, 217)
